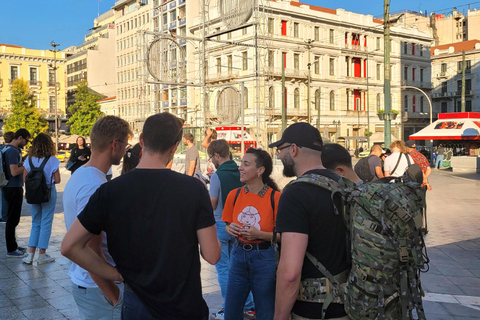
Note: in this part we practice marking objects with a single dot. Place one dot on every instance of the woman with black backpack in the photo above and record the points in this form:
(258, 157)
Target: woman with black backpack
(41, 155)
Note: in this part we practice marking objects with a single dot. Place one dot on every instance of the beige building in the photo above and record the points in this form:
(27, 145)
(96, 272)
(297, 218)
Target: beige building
(447, 62)
(345, 87)
(94, 59)
(36, 67)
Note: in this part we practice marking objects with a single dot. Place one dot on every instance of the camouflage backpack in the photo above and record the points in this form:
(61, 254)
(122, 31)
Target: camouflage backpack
(386, 245)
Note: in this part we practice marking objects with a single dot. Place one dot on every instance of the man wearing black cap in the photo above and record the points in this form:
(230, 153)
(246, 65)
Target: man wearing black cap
(306, 218)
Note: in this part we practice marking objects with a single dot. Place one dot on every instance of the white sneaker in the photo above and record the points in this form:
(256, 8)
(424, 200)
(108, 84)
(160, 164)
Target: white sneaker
(28, 258)
(218, 315)
(44, 258)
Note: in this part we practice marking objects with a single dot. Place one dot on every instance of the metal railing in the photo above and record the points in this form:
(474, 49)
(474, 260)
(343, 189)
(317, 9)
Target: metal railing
(34, 83)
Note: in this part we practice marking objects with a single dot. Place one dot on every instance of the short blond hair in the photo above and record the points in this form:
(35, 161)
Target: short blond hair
(399, 144)
(106, 129)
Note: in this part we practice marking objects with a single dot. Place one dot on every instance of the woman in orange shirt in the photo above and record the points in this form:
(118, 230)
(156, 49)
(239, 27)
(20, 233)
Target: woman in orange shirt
(250, 213)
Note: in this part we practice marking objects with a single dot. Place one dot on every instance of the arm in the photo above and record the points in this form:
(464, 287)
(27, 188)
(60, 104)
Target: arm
(15, 170)
(214, 201)
(294, 246)
(56, 177)
(387, 174)
(209, 244)
(191, 168)
(74, 247)
(206, 140)
(108, 287)
(379, 172)
(73, 157)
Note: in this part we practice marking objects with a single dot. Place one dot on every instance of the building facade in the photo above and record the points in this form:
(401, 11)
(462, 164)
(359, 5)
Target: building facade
(447, 65)
(94, 59)
(36, 67)
(334, 71)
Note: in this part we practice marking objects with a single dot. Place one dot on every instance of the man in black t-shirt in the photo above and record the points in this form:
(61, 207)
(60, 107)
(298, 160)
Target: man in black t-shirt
(307, 222)
(153, 234)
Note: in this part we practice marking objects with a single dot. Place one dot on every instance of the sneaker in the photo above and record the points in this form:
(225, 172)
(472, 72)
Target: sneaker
(28, 258)
(44, 258)
(220, 315)
(22, 249)
(15, 254)
(249, 314)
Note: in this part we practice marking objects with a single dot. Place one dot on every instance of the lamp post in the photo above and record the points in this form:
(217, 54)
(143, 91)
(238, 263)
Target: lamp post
(54, 50)
(336, 123)
(309, 46)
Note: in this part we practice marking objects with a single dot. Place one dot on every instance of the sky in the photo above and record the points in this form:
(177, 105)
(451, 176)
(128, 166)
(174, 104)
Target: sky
(34, 24)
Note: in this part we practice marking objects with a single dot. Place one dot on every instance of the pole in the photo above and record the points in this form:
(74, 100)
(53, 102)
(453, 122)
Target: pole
(309, 46)
(284, 111)
(242, 95)
(463, 81)
(319, 107)
(368, 110)
(386, 81)
(55, 45)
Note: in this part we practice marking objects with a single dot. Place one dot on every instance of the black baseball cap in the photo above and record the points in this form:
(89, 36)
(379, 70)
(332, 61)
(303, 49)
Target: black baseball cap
(303, 135)
(410, 144)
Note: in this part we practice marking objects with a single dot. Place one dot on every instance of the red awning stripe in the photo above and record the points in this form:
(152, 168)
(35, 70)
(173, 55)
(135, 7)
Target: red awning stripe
(445, 138)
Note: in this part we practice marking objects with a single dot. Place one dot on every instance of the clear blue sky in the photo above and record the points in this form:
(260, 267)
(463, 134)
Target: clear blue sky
(34, 24)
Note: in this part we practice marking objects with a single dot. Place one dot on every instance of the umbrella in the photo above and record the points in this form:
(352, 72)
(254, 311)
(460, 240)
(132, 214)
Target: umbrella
(380, 137)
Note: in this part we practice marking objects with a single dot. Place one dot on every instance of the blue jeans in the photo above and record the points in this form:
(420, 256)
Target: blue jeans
(254, 271)
(223, 265)
(42, 219)
(439, 160)
(4, 207)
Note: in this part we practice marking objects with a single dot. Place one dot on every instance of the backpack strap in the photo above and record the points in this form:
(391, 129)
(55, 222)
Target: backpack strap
(398, 161)
(236, 196)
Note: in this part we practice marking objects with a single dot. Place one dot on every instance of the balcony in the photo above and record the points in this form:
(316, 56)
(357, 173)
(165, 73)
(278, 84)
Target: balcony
(182, 21)
(291, 113)
(359, 113)
(183, 101)
(291, 73)
(172, 4)
(442, 95)
(417, 84)
(173, 25)
(357, 80)
(355, 47)
(467, 93)
(442, 74)
(229, 75)
(35, 83)
(52, 84)
(418, 115)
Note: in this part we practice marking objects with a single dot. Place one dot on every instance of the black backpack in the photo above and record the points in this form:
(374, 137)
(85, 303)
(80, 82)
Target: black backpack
(362, 169)
(413, 172)
(36, 189)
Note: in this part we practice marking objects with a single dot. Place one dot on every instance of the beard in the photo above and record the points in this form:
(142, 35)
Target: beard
(288, 166)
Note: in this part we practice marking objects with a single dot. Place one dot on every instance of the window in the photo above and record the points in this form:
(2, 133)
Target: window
(405, 73)
(244, 31)
(33, 75)
(443, 69)
(51, 104)
(444, 86)
(295, 29)
(405, 103)
(296, 98)
(271, 98)
(332, 100)
(284, 28)
(414, 99)
(51, 77)
(317, 99)
(284, 59)
(444, 107)
(468, 106)
(413, 74)
(379, 71)
(245, 60)
(331, 36)
(271, 22)
(271, 59)
(468, 66)
(379, 100)
(219, 66)
(332, 66)
(316, 65)
(317, 33)
(296, 61)
(422, 105)
(230, 64)
(14, 72)
(377, 46)
(229, 35)
(413, 49)
(420, 49)
(245, 97)
(405, 48)
(421, 74)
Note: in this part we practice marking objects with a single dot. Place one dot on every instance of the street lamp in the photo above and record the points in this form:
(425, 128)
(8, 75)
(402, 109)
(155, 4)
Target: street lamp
(336, 123)
(54, 50)
(309, 46)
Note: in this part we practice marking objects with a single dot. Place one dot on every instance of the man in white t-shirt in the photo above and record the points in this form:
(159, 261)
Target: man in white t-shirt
(96, 298)
(396, 164)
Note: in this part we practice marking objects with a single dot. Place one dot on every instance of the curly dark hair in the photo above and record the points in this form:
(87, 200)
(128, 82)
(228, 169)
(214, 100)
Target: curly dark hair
(42, 146)
(263, 159)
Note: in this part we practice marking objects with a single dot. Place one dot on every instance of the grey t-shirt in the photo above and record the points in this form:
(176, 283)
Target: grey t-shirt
(192, 155)
(374, 162)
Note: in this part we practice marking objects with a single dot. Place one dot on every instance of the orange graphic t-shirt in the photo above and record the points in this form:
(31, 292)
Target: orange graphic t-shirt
(251, 210)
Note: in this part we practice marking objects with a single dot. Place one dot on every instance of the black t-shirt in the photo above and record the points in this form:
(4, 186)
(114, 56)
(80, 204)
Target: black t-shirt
(77, 152)
(151, 217)
(308, 209)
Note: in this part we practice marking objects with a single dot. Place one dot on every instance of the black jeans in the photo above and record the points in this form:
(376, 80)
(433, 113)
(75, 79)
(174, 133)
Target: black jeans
(14, 197)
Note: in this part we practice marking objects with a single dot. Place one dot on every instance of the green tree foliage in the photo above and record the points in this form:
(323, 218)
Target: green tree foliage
(85, 111)
(24, 112)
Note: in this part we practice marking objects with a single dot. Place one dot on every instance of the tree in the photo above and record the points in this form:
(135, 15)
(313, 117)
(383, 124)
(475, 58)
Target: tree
(24, 112)
(85, 111)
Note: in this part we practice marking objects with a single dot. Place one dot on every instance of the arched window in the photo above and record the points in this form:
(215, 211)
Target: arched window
(405, 103)
(296, 101)
(317, 99)
(332, 100)
(271, 98)
(379, 102)
(421, 105)
(245, 98)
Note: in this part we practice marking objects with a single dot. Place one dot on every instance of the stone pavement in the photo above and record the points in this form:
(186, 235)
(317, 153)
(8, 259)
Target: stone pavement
(452, 284)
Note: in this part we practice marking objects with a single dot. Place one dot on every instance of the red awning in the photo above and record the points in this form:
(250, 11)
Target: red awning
(452, 126)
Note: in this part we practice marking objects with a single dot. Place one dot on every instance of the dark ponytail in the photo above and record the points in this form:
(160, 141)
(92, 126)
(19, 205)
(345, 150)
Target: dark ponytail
(263, 159)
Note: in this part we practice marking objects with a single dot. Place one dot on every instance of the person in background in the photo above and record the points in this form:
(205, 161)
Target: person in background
(80, 154)
(7, 137)
(210, 135)
(396, 164)
(131, 158)
(13, 191)
(192, 157)
(250, 214)
(439, 156)
(375, 162)
(338, 159)
(42, 214)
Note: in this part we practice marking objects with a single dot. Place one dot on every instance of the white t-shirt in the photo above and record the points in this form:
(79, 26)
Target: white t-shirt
(77, 192)
(50, 167)
(391, 161)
